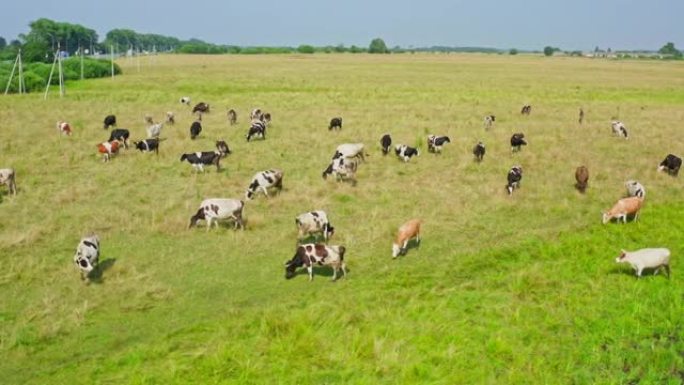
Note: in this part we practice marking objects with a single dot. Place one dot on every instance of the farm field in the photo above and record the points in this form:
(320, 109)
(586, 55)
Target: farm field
(503, 289)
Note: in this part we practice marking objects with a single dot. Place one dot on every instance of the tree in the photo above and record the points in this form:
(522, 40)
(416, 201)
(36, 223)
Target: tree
(3, 43)
(669, 49)
(548, 51)
(513, 51)
(377, 45)
(305, 48)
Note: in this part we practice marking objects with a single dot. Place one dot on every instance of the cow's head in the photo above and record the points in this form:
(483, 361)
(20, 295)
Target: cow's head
(328, 171)
(83, 263)
(606, 218)
(139, 145)
(296, 261)
(197, 217)
(222, 147)
(328, 231)
(621, 257)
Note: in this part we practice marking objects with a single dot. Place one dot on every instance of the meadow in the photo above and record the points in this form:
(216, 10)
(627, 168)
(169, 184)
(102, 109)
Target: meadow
(519, 289)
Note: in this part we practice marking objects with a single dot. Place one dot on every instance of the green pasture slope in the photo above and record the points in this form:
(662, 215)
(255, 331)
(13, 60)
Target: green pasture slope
(502, 290)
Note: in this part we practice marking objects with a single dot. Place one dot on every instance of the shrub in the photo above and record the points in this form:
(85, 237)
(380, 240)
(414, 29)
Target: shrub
(304, 48)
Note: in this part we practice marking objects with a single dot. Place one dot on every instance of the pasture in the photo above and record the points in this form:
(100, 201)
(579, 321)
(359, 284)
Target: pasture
(503, 289)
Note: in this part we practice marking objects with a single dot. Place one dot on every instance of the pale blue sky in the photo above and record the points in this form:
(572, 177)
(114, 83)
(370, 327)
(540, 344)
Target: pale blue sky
(523, 24)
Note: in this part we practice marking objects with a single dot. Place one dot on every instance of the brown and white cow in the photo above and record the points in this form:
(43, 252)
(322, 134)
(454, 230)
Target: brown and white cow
(64, 128)
(310, 254)
(107, 149)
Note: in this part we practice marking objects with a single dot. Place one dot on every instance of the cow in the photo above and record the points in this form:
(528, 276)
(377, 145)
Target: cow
(266, 118)
(121, 135)
(671, 164)
(514, 178)
(635, 189)
(170, 117)
(526, 110)
(335, 123)
(350, 150)
(255, 114)
(488, 121)
(310, 254)
(343, 168)
(195, 129)
(405, 152)
(154, 130)
(407, 231)
(582, 178)
(148, 145)
(87, 255)
(386, 143)
(619, 129)
(215, 209)
(314, 222)
(232, 117)
(581, 116)
(623, 208)
(435, 143)
(64, 128)
(264, 180)
(222, 147)
(109, 121)
(517, 140)
(8, 178)
(646, 259)
(107, 149)
(185, 100)
(479, 151)
(200, 159)
(257, 129)
(201, 108)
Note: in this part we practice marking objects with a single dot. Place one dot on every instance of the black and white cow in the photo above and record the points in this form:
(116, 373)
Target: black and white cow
(232, 116)
(148, 145)
(121, 135)
(314, 222)
(170, 117)
(201, 108)
(635, 189)
(671, 164)
(350, 150)
(222, 147)
(87, 254)
(405, 152)
(185, 100)
(215, 209)
(488, 121)
(312, 254)
(518, 140)
(8, 177)
(195, 129)
(200, 159)
(335, 123)
(526, 110)
(264, 180)
(109, 121)
(386, 143)
(479, 151)
(435, 143)
(514, 177)
(255, 114)
(256, 130)
(343, 168)
(619, 129)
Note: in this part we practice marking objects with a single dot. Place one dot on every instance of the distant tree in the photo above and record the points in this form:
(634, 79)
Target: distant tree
(669, 49)
(340, 48)
(513, 51)
(377, 45)
(355, 49)
(305, 48)
(3, 43)
(15, 43)
(548, 51)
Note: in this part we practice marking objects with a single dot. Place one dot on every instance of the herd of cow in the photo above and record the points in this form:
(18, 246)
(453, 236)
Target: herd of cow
(343, 165)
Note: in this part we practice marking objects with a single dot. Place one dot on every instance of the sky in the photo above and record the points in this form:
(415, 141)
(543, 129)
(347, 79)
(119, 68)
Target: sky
(522, 24)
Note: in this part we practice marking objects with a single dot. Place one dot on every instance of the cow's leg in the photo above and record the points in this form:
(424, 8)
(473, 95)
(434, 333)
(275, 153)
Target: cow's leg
(334, 277)
(344, 269)
(639, 270)
(200, 167)
(209, 219)
(310, 270)
(263, 188)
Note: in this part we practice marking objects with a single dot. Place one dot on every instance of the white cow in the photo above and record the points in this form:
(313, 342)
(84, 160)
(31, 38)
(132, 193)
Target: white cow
(264, 180)
(646, 259)
(87, 254)
(216, 209)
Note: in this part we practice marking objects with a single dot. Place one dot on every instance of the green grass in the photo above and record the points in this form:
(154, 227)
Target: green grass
(520, 289)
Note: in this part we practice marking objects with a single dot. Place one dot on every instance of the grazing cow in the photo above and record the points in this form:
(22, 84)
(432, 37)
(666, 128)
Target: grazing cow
(107, 149)
(216, 209)
(479, 151)
(671, 164)
(148, 145)
(154, 130)
(201, 107)
(386, 143)
(646, 259)
(514, 178)
(200, 159)
(232, 116)
(310, 254)
(8, 178)
(195, 129)
(343, 168)
(405, 152)
(517, 140)
(109, 121)
(64, 128)
(120, 134)
(148, 119)
(526, 110)
(582, 178)
(635, 189)
(581, 116)
(87, 254)
(264, 180)
(619, 129)
(407, 231)
(488, 121)
(256, 130)
(350, 150)
(435, 143)
(185, 100)
(314, 222)
(623, 208)
(335, 123)
(255, 114)
(222, 147)
(266, 118)
(170, 117)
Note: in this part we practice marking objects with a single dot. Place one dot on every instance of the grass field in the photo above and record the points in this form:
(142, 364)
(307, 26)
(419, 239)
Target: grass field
(520, 289)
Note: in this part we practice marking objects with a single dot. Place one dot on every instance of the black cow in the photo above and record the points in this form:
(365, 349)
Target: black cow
(120, 134)
(232, 116)
(514, 177)
(200, 159)
(526, 110)
(335, 123)
(386, 143)
(195, 129)
(258, 129)
(479, 151)
(201, 107)
(109, 121)
(517, 140)
(671, 163)
(148, 145)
